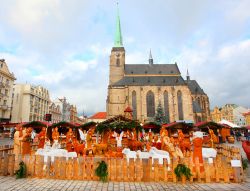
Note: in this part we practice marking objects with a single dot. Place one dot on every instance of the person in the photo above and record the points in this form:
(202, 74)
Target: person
(248, 135)
(238, 134)
(17, 138)
(69, 135)
(55, 134)
(41, 138)
(26, 140)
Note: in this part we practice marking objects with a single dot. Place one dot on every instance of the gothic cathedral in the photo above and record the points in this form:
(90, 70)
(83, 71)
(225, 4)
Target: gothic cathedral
(143, 86)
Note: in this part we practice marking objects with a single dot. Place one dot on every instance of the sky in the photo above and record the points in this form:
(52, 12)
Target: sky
(65, 45)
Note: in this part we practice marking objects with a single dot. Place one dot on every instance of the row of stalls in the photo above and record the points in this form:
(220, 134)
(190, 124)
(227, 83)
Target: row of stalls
(120, 123)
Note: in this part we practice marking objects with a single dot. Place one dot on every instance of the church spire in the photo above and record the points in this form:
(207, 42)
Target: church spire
(188, 77)
(118, 32)
(150, 60)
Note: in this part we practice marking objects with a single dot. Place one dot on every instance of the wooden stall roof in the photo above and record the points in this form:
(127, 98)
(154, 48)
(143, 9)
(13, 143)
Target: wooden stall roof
(116, 118)
(63, 124)
(8, 125)
(87, 126)
(177, 125)
(36, 124)
(210, 124)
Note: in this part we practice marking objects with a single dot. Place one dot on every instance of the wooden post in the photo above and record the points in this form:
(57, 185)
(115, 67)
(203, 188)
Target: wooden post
(57, 167)
(156, 170)
(63, 167)
(131, 169)
(118, 169)
(83, 164)
(165, 170)
(112, 169)
(207, 171)
(174, 164)
(75, 169)
(125, 169)
(138, 169)
(11, 164)
(5, 165)
(197, 169)
(150, 169)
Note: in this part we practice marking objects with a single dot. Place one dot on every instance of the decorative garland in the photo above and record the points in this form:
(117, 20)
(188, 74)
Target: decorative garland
(102, 171)
(118, 126)
(21, 172)
(182, 170)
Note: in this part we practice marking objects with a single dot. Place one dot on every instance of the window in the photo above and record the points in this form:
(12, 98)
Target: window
(166, 106)
(134, 105)
(180, 105)
(117, 62)
(150, 104)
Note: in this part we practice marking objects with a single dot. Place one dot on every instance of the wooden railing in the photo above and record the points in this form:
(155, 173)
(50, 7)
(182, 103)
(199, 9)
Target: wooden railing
(119, 169)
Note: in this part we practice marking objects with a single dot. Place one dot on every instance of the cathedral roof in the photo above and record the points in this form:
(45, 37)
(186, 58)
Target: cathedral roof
(151, 81)
(194, 87)
(155, 69)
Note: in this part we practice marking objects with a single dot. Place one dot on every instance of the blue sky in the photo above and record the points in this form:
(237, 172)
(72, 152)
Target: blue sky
(65, 45)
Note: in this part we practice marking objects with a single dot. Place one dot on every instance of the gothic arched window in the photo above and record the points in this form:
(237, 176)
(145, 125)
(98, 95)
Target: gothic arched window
(166, 105)
(180, 105)
(134, 105)
(150, 104)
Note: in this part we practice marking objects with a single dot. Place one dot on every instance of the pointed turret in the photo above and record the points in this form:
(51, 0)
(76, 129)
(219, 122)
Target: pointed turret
(188, 77)
(150, 60)
(118, 32)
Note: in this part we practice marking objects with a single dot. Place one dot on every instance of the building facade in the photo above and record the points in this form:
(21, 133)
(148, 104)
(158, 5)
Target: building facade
(143, 86)
(230, 112)
(73, 114)
(30, 103)
(65, 108)
(55, 111)
(247, 118)
(6, 90)
(216, 114)
(239, 118)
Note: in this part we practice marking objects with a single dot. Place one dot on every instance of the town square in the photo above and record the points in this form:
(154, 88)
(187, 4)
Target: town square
(124, 95)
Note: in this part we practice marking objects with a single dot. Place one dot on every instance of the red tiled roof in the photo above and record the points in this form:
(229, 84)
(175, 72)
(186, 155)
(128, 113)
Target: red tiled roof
(207, 123)
(99, 115)
(247, 113)
(170, 124)
(128, 109)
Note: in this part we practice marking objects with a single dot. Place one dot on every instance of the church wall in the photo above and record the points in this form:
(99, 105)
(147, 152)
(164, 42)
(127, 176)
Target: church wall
(116, 101)
(141, 93)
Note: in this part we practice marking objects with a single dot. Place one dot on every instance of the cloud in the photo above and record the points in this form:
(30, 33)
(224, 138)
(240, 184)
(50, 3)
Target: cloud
(222, 73)
(65, 45)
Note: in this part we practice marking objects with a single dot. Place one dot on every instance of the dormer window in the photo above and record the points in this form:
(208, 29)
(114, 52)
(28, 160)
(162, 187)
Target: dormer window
(159, 72)
(171, 71)
(146, 71)
(131, 72)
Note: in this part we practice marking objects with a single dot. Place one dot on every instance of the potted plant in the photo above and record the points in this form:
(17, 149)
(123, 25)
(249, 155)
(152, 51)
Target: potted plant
(21, 172)
(102, 171)
(183, 172)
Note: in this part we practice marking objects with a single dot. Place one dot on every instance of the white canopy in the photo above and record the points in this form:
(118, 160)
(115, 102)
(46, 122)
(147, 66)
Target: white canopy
(223, 121)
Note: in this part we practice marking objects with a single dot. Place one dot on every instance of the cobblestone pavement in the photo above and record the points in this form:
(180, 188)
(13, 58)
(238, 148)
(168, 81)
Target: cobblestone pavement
(11, 184)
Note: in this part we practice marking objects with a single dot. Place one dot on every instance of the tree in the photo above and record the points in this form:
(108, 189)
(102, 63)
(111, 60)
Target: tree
(160, 117)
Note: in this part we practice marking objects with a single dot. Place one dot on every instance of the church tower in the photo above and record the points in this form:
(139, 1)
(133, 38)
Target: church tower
(117, 57)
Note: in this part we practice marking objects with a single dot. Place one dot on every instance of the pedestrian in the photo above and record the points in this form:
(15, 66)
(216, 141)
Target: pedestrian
(248, 135)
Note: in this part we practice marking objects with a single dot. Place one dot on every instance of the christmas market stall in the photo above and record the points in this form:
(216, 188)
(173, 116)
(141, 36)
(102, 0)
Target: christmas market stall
(212, 132)
(120, 132)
